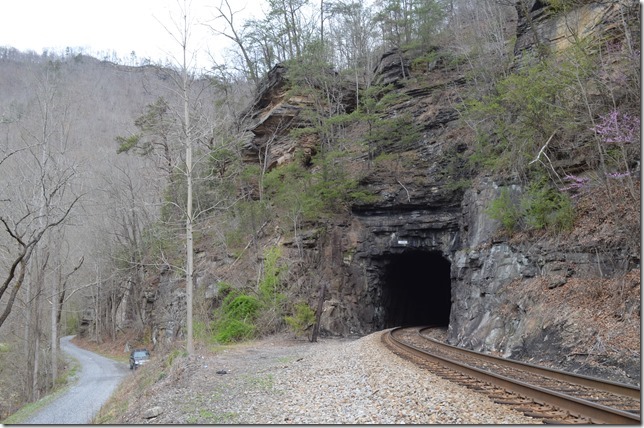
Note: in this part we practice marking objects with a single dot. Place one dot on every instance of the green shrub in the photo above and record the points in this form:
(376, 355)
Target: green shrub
(299, 193)
(506, 210)
(243, 307)
(243, 316)
(563, 218)
(234, 319)
(303, 318)
(540, 207)
(233, 330)
(526, 108)
(270, 282)
(545, 207)
(273, 301)
(223, 289)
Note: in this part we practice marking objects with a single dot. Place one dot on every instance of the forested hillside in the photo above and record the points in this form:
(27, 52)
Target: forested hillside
(491, 145)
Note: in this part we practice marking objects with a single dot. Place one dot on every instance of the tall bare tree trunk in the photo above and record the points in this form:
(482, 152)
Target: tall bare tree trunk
(34, 378)
(27, 342)
(54, 327)
(97, 308)
(39, 266)
(189, 219)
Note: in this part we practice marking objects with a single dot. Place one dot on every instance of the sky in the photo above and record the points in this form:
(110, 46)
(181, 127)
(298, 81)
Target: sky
(122, 26)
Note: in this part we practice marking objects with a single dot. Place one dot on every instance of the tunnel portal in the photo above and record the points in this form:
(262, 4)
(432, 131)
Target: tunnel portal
(416, 289)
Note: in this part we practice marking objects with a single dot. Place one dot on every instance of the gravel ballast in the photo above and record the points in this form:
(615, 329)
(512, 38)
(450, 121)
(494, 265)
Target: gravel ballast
(281, 381)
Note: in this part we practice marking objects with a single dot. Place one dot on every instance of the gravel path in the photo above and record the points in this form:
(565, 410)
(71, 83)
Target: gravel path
(98, 378)
(330, 382)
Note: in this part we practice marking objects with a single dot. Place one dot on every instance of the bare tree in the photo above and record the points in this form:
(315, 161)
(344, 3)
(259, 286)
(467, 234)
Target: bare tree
(56, 299)
(353, 37)
(37, 198)
(237, 34)
(480, 31)
(27, 221)
(193, 130)
(130, 211)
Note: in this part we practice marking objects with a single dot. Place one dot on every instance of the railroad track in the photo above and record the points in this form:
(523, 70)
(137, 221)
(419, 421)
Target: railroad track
(551, 395)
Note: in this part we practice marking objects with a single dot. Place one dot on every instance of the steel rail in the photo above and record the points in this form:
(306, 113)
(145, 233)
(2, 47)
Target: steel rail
(581, 407)
(591, 382)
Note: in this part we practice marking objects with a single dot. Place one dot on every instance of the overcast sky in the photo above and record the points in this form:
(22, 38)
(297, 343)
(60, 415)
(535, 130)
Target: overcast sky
(109, 25)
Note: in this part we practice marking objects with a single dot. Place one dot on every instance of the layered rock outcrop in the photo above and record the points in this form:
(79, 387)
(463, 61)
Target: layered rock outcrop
(531, 297)
(502, 291)
(540, 26)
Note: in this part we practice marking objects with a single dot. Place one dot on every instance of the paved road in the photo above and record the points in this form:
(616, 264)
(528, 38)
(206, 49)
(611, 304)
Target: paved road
(98, 378)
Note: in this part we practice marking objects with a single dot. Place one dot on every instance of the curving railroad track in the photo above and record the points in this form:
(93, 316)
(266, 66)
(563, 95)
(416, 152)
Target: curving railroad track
(551, 395)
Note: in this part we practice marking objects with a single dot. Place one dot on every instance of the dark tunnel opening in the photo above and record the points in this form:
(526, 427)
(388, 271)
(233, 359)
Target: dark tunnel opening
(416, 289)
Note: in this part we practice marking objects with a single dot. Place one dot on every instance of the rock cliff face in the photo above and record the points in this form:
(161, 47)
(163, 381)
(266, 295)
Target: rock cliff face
(271, 116)
(427, 252)
(539, 26)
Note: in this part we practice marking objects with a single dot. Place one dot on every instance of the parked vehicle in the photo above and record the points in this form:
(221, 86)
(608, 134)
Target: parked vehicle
(138, 357)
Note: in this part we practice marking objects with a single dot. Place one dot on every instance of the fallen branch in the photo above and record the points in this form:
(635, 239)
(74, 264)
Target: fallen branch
(542, 152)
(403, 186)
(543, 148)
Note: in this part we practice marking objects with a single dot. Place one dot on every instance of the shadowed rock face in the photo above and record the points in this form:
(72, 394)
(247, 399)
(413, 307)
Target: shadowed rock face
(426, 252)
(393, 67)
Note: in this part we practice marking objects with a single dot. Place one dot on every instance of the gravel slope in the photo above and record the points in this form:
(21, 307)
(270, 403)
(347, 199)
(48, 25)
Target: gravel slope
(279, 381)
(98, 378)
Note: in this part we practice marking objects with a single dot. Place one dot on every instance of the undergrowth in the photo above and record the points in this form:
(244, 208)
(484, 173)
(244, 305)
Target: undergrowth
(242, 314)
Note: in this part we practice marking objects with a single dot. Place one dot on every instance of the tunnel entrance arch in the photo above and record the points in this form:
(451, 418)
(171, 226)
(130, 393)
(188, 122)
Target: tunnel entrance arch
(416, 289)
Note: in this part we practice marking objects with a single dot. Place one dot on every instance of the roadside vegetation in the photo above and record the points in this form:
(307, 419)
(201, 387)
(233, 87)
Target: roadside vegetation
(63, 384)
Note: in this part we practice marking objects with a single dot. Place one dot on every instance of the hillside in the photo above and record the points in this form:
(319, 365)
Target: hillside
(485, 179)
(423, 219)
(61, 115)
